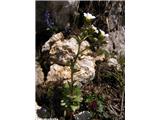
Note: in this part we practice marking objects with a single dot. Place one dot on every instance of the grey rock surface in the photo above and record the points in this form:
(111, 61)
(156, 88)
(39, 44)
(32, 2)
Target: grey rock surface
(85, 115)
(116, 42)
(60, 12)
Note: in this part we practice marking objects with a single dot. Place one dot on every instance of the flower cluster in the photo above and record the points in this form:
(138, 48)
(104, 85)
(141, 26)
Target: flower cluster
(89, 16)
(94, 28)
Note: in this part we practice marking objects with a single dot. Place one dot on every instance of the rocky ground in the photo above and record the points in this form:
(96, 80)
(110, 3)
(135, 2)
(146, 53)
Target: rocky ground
(98, 76)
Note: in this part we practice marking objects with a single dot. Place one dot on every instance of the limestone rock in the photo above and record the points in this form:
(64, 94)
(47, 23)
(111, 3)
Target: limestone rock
(51, 41)
(65, 50)
(61, 52)
(63, 73)
(87, 69)
(113, 62)
(39, 74)
(58, 73)
(116, 42)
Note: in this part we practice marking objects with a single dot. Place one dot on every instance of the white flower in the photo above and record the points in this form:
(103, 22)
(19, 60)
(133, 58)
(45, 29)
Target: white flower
(89, 16)
(94, 28)
(104, 34)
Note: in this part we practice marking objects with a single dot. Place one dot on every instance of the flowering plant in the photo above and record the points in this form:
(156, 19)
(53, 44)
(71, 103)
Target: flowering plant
(72, 95)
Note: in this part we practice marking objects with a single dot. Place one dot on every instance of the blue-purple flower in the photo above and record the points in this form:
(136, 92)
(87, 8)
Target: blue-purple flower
(48, 20)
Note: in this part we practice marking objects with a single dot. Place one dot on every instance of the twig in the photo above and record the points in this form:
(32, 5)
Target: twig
(112, 110)
(122, 103)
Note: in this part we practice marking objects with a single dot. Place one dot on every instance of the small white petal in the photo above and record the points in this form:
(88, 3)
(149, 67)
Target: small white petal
(89, 16)
(94, 28)
(84, 14)
(102, 33)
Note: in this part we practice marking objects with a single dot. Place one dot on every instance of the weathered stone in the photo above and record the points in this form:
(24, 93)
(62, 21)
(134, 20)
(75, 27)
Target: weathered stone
(41, 113)
(59, 11)
(116, 42)
(85, 115)
(51, 41)
(63, 73)
(39, 74)
(62, 52)
(87, 69)
(58, 73)
(62, 11)
(113, 62)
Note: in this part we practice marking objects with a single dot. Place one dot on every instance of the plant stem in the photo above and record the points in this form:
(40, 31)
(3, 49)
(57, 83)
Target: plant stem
(72, 67)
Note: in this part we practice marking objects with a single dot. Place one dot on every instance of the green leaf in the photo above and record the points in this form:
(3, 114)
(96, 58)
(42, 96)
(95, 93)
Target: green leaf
(77, 91)
(100, 107)
(66, 85)
(63, 104)
(95, 39)
(78, 99)
(74, 107)
(101, 51)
